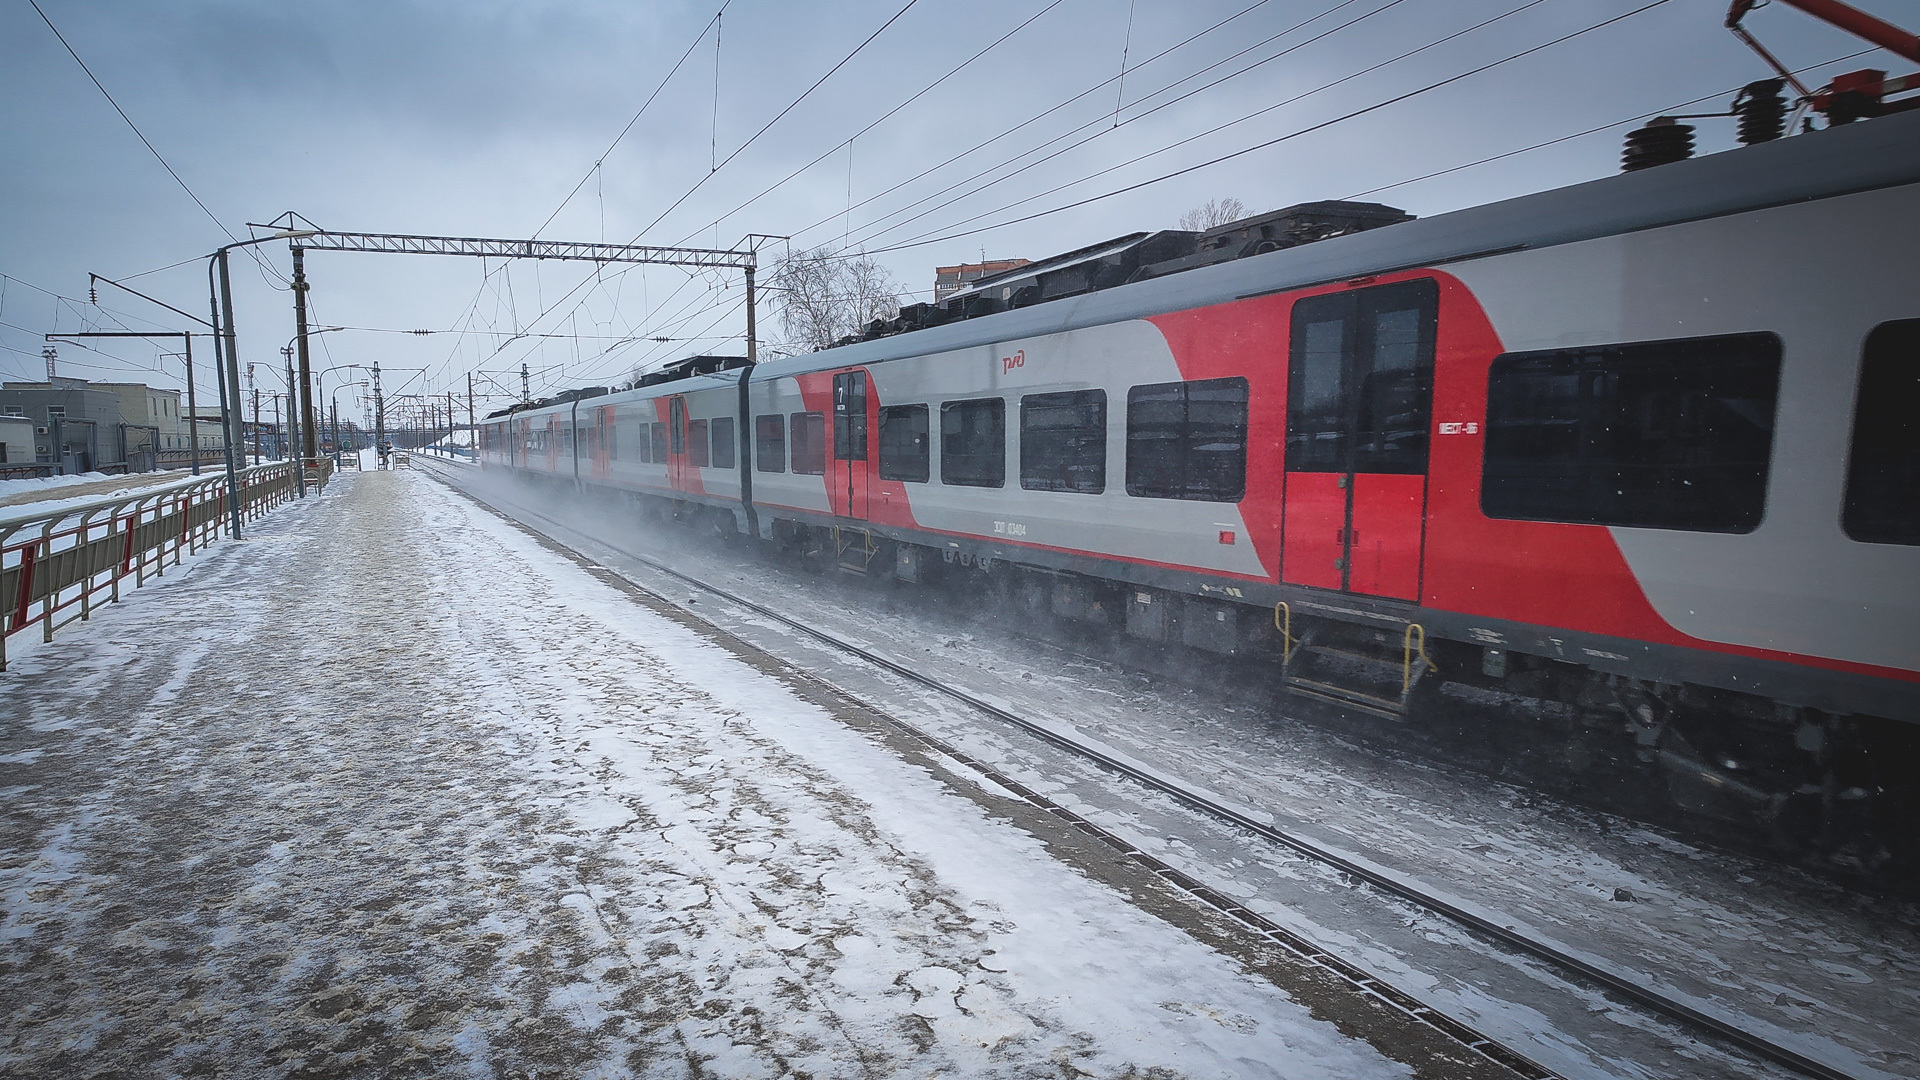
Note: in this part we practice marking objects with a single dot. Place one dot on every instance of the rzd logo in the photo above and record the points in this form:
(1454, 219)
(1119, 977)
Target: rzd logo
(1008, 363)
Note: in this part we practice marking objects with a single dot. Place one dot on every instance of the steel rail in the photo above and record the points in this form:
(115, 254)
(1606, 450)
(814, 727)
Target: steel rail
(1620, 983)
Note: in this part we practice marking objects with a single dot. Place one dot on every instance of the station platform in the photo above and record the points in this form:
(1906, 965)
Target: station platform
(392, 787)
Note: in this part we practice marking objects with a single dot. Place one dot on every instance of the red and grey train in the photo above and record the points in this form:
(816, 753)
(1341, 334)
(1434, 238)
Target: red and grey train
(1649, 445)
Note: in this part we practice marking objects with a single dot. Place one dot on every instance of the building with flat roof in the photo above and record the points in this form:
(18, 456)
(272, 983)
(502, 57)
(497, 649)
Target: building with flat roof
(81, 426)
(948, 280)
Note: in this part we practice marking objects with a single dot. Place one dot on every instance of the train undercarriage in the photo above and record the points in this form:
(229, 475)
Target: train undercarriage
(1833, 793)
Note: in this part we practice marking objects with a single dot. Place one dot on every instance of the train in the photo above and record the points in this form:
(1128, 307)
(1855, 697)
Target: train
(1646, 446)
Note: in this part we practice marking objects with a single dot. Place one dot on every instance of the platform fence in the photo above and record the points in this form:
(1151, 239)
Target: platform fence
(56, 567)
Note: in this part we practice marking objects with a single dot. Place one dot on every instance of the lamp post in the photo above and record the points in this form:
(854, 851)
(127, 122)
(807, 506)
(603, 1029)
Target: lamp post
(300, 413)
(320, 382)
(336, 415)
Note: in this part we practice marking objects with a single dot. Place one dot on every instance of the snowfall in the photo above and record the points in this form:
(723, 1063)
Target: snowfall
(392, 787)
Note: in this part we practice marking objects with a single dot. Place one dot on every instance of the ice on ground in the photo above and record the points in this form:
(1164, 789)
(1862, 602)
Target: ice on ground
(424, 797)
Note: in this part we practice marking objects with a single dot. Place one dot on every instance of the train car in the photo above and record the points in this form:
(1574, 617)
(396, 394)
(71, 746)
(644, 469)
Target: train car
(1644, 445)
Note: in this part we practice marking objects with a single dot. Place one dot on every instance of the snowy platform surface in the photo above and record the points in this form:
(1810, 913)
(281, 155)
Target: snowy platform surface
(390, 788)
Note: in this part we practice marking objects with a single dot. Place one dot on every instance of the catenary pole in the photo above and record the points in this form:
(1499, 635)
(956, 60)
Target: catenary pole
(309, 452)
(293, 434)
(229, 416)
(193, 410)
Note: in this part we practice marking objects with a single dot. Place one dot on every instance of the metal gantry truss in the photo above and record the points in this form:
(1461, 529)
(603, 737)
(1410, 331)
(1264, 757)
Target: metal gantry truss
(406, 244)
(303, 236)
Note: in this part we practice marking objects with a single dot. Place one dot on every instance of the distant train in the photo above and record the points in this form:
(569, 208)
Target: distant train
(1648, 446)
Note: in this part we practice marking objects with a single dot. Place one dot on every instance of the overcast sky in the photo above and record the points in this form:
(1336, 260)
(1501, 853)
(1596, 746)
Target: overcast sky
(478, 117)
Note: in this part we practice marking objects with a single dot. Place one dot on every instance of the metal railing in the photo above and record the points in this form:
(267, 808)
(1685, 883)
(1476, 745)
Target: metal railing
(56, 567)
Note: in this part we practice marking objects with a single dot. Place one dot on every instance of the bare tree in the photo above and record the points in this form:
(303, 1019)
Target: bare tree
(1213, 212)
(823, 295)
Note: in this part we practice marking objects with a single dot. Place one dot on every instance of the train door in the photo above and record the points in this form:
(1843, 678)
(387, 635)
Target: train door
(850, 440)
(602, 452)
(677, 443)
(1359, 404)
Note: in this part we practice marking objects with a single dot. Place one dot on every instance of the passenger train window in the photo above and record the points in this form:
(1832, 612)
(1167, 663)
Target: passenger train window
(1362, 379)
(677, 424)
(724, 452)
(697, 445)
(1660, 435)
(809, 443)
(1063, 442)
(1188, 440)
(643, 443)
(659, 438)
(904, 438)
(850, 416)
(1883, 468)
(770, 443)
(973, 442)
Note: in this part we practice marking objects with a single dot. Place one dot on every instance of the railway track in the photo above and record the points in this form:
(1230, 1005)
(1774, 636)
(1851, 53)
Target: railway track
(1627, 985)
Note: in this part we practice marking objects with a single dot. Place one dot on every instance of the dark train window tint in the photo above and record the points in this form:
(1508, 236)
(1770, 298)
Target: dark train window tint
(1359, 399)
(1661, 435)
(1063, 442)
(973, 442)
(1188, 440)
(850, 416)
(724, 452)
(697, 444)
(643, 444)
(1883, 467)
(904, 438)
(613, 442)
(677, 424)
(770, 443)
(660, 443)
(809, 442)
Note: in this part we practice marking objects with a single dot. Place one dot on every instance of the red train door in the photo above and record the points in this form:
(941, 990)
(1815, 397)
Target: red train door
(850, 441)
(1359, 405)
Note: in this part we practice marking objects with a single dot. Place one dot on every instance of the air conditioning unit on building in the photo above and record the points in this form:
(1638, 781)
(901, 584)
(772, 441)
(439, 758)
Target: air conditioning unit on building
(39, 431)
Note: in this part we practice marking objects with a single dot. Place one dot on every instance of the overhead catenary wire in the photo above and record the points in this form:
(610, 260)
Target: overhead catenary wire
(764, 128)
(1215, 129)
(922, 92)
(146, 142)
(1638, 117)
(936, 83)
(1309, 129)
(795, 103)
(617, 139)
(593, 171)
(1101, 131)
(1037, 117)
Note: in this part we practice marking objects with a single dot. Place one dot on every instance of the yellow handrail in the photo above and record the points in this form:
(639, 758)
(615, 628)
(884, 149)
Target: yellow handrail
(1282, 611)
(1415, 632)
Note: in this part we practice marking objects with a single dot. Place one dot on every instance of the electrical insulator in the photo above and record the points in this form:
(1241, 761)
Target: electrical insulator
(1762, 111)
(1662, 142)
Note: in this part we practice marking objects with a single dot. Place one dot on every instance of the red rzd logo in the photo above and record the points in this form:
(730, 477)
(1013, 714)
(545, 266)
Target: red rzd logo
(1008, 363)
